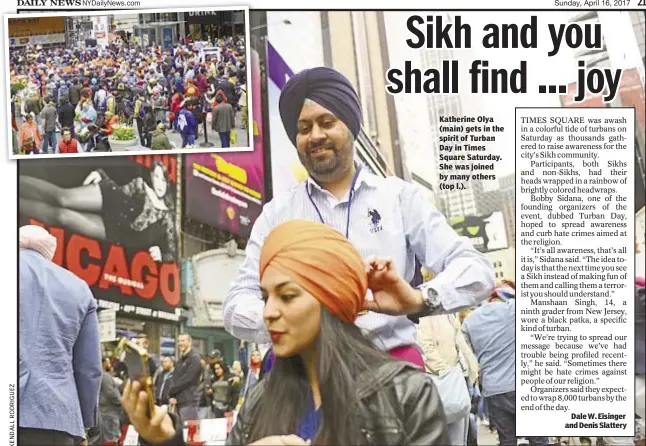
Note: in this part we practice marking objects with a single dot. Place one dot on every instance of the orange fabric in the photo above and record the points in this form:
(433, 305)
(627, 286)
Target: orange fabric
(322, 262)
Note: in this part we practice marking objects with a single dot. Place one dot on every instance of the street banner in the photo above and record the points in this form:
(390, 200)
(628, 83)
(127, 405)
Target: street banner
(115, 222)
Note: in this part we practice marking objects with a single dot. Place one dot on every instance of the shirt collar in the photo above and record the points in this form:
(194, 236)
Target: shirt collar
(365, 177)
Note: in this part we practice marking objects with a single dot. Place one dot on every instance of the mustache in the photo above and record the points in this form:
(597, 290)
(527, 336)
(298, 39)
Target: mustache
(316, 146)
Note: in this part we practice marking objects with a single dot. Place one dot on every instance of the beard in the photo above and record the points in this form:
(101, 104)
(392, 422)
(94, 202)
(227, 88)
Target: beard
(321, 167)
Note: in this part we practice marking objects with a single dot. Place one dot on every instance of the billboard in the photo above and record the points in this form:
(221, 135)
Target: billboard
(115, 222)
(226, 190)
(487, 232)
(100, 30)
(30, 26)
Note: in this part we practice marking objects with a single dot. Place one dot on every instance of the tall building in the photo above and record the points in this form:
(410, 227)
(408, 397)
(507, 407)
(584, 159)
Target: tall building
(456, 202)
(355, 43)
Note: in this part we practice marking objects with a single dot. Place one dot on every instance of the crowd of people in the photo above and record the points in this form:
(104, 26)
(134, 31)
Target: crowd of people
(198, 387)
(382, 331)
(90, 92)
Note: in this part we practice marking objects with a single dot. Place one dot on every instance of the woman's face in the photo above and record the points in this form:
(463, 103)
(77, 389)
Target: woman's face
(256, 358)
(219, 371)
(159, 181)
(292, 315)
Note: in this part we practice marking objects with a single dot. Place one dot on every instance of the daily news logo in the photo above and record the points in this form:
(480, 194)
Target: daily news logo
(49, 3)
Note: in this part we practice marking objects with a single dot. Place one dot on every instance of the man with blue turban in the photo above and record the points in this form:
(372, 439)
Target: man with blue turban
(391, 223)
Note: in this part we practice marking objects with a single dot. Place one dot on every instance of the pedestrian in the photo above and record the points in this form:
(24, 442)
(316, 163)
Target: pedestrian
(88, 116)
(445, 349)
(149, 125)
(160, 140)
(244, 108)
(75, 92)
(252, 372)
(175, 108)
(139, 113)
(109, 404)
(226, 389)
(66, 115)
(59, 355)
(204, 411)
(386, 217)
(67, 144)
(29, 138)
(329, 384)
(491, 331)
(48, 115)
(144, 342)
(187, 124)
(186, 379)
(162, 381)
(223, 120)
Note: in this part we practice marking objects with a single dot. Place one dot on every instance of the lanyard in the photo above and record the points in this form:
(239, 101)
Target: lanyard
(347, 224)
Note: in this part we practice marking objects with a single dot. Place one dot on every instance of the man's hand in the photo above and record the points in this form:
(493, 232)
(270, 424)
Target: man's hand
(392, 294)
(172, 401)
(157, 429)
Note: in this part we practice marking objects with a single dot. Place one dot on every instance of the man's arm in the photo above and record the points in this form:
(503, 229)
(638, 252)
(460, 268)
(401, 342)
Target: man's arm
(87, 362)
(243, 306)
(463, 276)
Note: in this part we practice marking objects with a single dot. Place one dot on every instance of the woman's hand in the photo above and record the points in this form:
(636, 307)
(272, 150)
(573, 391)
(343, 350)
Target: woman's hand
(392, 294)
(280, 440)
(155, 253)
(93, 178)
(157, 429)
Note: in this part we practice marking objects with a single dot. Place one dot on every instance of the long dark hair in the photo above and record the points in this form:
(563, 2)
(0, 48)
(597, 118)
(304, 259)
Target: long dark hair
(225, 369)
(342, 354)
(147, 175)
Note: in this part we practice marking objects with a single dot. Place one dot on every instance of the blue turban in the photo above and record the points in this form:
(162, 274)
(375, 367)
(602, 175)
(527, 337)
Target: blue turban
(328, 88)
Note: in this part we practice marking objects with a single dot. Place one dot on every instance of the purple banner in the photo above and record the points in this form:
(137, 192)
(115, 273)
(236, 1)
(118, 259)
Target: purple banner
(279, 71)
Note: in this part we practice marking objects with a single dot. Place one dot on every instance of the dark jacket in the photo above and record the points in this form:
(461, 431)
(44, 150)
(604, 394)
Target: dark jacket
(228, 89)
(75, 94)
(186, 380)
(162, 383)
(66, 115)
(401, 406)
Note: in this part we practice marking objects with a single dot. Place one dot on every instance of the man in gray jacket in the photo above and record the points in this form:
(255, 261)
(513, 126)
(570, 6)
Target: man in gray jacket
(223, 120)
(48, 116)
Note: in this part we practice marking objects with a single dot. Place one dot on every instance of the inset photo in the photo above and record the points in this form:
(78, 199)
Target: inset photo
(128, 82)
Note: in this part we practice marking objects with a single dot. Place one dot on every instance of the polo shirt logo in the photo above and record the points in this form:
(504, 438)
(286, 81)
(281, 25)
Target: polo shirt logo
(375, 221)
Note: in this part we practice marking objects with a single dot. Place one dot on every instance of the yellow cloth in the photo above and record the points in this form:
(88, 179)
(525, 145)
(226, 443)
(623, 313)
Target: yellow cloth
(321, 261)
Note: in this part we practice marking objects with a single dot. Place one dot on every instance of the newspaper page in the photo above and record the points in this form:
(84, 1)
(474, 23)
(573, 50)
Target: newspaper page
(524, 127)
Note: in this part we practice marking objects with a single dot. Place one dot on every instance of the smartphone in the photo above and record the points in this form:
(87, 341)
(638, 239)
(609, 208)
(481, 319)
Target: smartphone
(135, 358)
